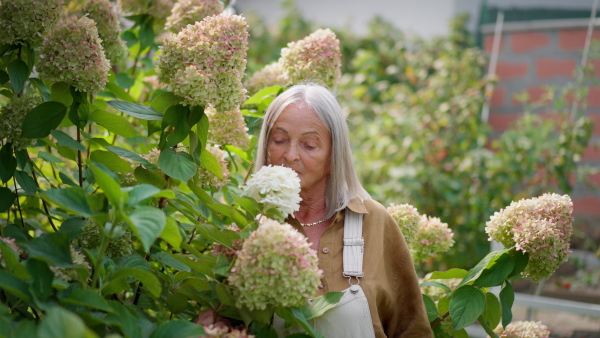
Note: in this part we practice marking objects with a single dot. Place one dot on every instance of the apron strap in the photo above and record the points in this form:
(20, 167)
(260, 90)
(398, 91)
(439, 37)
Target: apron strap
(354, 245)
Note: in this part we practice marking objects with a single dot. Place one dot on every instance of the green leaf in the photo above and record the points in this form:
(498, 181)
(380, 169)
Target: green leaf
(71, 198)
(178, 165)
(177, 116)
(53, 248)
(177, 328)
(297, 313)
(146, 35)
(14, 285)
(140, 193)
(72, 227)
(436, 284)
(66, 141)
(7, 199)
(321, 304)
(497, 270)
(432, 313)
(26, 182)
(213, 233)
(149, 278)
(18, 72)
(87, 298)
(119, 92)
(41, 120)
(177, 302)
(111, 160)
(42, 278)
(467, 303)
(266, 92)
(164, 101)
(210, 163)
(492, 311)
(452, 273)
(202, 129)
(108, 184)
(113, 123)
(41, 87)
(521, 260)
(3, 77)
(61, 323)
(171, 234)
(196, 114)
(169, 261)
(507, 298)
(136, 110)
(148, 223)
(153, 177)
(61, 92)
(475, 272)
(49, 157)
(8, 163)
(128, 154)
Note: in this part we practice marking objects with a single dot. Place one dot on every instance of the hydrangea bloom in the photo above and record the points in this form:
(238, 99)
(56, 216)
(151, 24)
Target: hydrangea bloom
(407, 217)
(276, 267)
(90, 239)
(271, 75)
(539, 226)
(107, 22)
(316, 57)
(11, 243)
(228, 128)
(222, 331)
(431, 238)
(187, 12)
(12, 115)
(73, 53)
(523, 329)
(208, 178)
(276, 187)
(25, 21)
(205, 62)
(69, 274)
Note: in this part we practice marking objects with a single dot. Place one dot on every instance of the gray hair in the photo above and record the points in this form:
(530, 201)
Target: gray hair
(343, 184)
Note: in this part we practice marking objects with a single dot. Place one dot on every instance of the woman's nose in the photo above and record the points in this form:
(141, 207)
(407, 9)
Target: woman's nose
(291, 153)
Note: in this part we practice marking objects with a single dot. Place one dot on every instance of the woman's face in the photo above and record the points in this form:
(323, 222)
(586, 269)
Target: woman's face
(300, 141)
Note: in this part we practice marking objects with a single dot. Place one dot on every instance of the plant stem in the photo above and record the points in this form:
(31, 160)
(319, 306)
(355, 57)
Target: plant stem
(79, 159)
(103, 247)
(440, 319)
(135, 62)
(138, 291)
(43, 201)
(89, 132)
(18, 203)
(7, 215)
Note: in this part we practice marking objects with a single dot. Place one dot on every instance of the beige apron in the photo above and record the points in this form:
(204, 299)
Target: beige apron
(351, 317)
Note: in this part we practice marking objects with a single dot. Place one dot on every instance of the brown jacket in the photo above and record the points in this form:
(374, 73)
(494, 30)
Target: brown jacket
(390, 282)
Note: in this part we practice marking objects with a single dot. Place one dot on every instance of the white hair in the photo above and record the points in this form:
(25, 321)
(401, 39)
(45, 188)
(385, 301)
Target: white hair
(343, 184)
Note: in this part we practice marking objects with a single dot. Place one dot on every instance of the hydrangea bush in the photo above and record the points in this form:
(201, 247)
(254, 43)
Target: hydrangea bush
(187, 12)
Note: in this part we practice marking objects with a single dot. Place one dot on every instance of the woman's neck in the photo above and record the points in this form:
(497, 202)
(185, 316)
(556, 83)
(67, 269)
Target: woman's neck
(311, 206)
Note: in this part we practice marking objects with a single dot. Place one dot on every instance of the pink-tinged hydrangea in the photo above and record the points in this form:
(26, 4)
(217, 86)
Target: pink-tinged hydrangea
(223, 331)
(69, 274)
(107, 22)
(437, 293)
(317, 57)
(73, 53)
(270, 75)
(275, 187)
(408, 218)
(158, 9)
(228, 128)
(275, 268)
(523, 329)
(26, 21)
(540, 226)
(11, 244)
(223, 250)
(90, 239)
(208, 178)
(12, 115)
(187, 12)
(205, 62)
(431, 238)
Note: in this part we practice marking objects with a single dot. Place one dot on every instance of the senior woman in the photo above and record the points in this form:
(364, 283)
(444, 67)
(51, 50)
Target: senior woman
(360, 248)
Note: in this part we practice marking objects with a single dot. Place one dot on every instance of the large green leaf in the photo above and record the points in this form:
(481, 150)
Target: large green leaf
(475, 272)
(164, 101)
(497, 270)
(86, 298)
(452, 273)
(321, 304)
(128, 154)
(148, 223)
(149, 279)
(178, 165)
(507, 298)
(41, 120)
(146, 35)
(8, 163)
(432, 313)
(53, 248)
(113, 123)
(169, 261)
(42, 278)
(71, 198)
(492, 311)
(177, 328)
(262, 94)
(177, 116)
(154, 177)
(7, 199)
(210, 163)
(111, 160)
(66, 140)
(61, 92)
(467, 303)
(14, 285)
(18, 72)
(119, 92)
(136, 110)
(171, 234)
(521, 260)
(62, 323)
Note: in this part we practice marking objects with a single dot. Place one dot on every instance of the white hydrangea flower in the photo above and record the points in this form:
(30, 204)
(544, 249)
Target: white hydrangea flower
(276, 187)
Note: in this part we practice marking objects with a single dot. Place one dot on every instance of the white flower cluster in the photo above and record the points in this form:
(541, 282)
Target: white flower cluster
(276, 187)
(523, 329)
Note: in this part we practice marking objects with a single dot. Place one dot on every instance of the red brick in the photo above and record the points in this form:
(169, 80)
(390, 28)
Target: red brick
(510, 70)
(545, 68)
(587, 205)
(497, 97)
(595, 179)
(596, 119)
(488, 42)
(596, 64)
(522, 42)
(535, 94)
(591, 152)
(501, 122)
(574, 39)
(593, 98)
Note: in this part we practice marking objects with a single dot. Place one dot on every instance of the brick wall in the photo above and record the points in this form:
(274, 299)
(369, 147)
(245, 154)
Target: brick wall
(529, 61)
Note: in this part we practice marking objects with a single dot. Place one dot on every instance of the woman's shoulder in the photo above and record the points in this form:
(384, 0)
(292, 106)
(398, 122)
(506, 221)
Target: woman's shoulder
(374, 207)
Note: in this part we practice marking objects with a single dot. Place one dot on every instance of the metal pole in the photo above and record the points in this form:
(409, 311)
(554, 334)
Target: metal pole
(489, 88)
